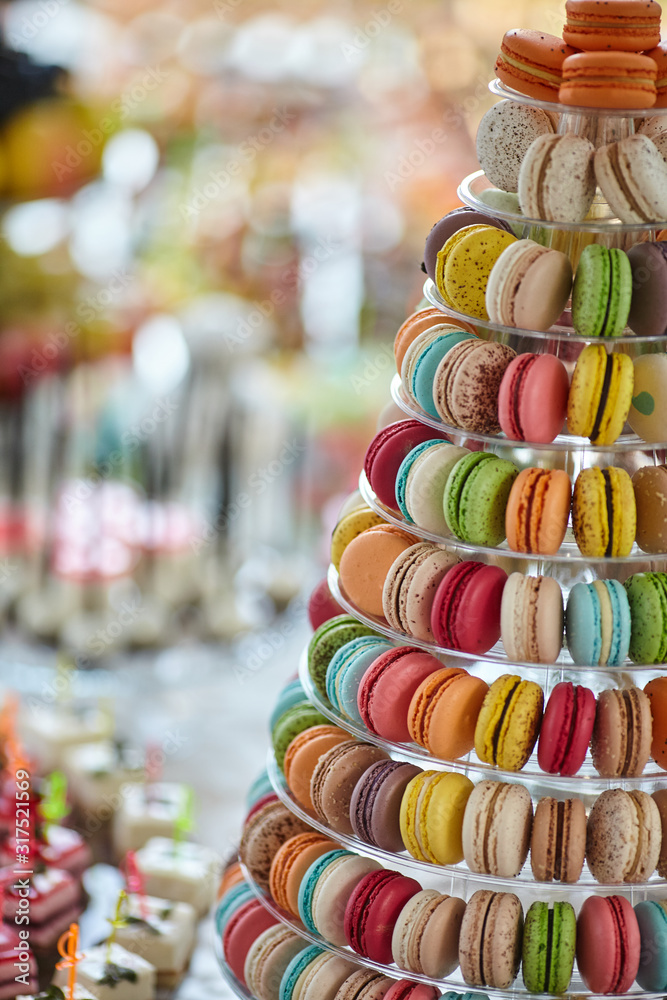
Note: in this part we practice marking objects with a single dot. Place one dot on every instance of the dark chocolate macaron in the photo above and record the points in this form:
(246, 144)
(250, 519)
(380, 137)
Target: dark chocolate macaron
(648, 309)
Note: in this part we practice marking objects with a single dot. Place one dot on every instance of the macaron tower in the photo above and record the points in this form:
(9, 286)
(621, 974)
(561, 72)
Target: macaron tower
(468, 786)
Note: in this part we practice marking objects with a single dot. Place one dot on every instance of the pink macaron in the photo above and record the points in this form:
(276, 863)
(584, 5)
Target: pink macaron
(245, 926)
(608, 944)
(466, 608)
(372, 911)
(387, 688)
(386, 452)
(405, 989)
(532, 400)
(567, 727)
(322, 606)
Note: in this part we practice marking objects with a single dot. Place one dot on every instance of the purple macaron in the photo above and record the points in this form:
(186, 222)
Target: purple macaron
(450, 224)
(648, 310)
(375, 805)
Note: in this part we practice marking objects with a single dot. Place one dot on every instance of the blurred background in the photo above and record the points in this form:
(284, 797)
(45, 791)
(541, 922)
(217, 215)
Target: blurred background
(211, 225)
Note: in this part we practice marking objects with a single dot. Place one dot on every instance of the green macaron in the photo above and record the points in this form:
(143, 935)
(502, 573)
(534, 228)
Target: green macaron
(647, 596)
(290, 724)
(328, 638)
(549, 941)
(476, 495)
(602, 292)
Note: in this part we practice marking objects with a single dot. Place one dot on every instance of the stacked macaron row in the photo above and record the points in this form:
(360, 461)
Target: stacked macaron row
(487, 273)
(421, 590)
(442, 818)
(271, 961)
(482, 499)
(384, 916)
(555, 176)
(483, 387)
(609, 56)
(405, 696)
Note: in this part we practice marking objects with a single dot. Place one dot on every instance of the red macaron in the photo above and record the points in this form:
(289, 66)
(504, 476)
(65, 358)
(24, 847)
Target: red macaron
(465, 614)
(249, 921)
(322, 606)
(372, 911)
(566, 729)
(532, 401)
(608, 944)
(386, 452)
(387, 688)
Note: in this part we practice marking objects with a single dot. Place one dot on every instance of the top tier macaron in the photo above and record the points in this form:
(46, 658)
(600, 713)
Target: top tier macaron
(609, 57)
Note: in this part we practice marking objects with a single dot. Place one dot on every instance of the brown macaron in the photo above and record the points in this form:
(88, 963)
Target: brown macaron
(302, 755)
(334, 778)
(490, 939)
(621, 741)
(624, 836)
(558, 842)
(650, 485)
(264, 833)
(660, 799)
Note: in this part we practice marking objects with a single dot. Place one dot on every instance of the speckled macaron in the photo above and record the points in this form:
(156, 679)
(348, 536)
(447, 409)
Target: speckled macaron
(503, 136)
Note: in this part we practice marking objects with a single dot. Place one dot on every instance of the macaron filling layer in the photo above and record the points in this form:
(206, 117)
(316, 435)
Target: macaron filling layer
(505, 709)
(604, 396)
(627, 24)
(528, 68)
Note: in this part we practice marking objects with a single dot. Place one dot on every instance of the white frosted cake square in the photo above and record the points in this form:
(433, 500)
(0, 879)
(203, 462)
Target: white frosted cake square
(148, 810)
(97, 771)
(50, 730)
(127, 977)
(162, 932)
(183, 871)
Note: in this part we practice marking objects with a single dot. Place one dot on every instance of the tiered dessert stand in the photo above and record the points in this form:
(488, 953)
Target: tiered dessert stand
(568, 566)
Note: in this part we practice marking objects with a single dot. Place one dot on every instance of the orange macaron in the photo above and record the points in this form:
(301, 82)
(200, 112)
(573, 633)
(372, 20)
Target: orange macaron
(419, 322)
(302, 755)
(291, 862)
(659, 57)
(609, 80)
(537, 510)
(367, 560)
(532, 62)
(623, 25)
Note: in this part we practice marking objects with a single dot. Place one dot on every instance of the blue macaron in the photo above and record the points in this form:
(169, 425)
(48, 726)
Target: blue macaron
(296, 967)
(346, 669)
(260, 787)
(426, 365)
(231, 901)
(290, 695)
(308, 883)
(652, 919)
(597, 623)
(404, 472)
